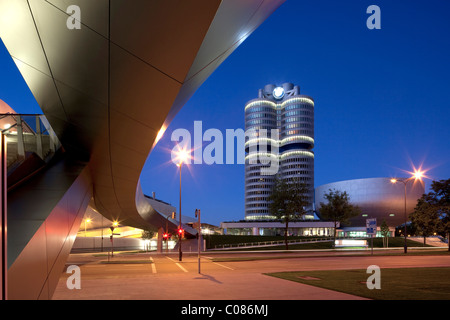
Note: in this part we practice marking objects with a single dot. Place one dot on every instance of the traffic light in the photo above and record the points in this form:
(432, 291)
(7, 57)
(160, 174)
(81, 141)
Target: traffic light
(180, 232)
(165, 236)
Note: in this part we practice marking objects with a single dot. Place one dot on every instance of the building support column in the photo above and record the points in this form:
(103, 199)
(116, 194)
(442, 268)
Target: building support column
(20, 140)
(39, 150)
(3, 226)
(159, 246)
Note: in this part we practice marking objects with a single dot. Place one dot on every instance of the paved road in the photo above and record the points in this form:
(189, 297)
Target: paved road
(163, 277)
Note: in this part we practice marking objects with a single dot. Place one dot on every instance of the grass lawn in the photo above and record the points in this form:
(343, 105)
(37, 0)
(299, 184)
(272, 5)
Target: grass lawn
(396, 283)
(349, 254)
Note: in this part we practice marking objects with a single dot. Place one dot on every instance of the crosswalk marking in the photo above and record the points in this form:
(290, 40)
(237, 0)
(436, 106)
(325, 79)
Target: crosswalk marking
(170, 258)
(181, 267)
(178, 265)
(153, 265)
(223, 265)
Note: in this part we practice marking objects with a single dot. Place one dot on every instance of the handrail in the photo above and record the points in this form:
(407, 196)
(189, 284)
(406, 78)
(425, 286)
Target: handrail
(280, 242)
(29, 132)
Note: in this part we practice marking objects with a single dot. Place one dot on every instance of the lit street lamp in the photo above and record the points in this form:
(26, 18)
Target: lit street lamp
(3, 218)
(182, 156)
(115, 224)
(417, 175)
(86, 221)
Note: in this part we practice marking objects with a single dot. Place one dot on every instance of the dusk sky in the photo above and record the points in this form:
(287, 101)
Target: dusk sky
(382, 98)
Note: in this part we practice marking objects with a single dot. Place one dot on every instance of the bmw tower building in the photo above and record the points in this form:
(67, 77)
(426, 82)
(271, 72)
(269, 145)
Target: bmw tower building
(292, 115)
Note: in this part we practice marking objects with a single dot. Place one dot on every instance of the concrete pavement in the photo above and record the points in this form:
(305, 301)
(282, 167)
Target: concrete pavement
(152, 276)
(165, 278)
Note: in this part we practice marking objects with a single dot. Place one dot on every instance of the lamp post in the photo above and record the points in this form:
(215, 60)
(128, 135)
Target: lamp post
(180, 234)
(417, 175)
(197, 215)
(86, 221)
(115, 224)
(102, 235)
(182, 156)
(3, 226)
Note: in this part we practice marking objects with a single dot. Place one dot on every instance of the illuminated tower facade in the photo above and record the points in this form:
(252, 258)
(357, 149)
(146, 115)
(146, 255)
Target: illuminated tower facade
(292, 114)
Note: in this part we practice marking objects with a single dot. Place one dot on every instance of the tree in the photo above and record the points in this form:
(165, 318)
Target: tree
(288, 201)
(384, 228)
(426, 217)
(147, 235)
(338, 209)
(441, 190)
(437, 202)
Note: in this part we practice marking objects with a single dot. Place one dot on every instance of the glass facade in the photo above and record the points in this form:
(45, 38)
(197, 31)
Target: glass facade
(292, 115)
(295, 231)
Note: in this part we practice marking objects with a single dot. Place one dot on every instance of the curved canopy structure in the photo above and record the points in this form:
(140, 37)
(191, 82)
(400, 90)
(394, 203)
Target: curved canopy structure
(110, 85)
(109, 75)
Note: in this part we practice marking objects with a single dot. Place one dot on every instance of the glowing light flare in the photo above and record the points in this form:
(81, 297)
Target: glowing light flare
(182, 155)
(416, 174)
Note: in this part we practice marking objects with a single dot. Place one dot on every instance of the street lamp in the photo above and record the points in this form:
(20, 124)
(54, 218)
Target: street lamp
(115, 224)
(86, 221)
(197, 215)
(416, 175)
(182, 156)
(3, 218)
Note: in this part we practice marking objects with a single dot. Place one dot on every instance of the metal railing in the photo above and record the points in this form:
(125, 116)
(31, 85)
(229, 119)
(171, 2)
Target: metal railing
(278, 242)
(269, 243)
(27, 133)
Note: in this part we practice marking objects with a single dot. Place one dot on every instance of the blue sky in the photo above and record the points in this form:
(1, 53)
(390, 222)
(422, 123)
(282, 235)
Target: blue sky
(382, 97)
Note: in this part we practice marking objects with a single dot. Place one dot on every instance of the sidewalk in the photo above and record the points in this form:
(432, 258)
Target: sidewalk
(216, 282)
(432, 241)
